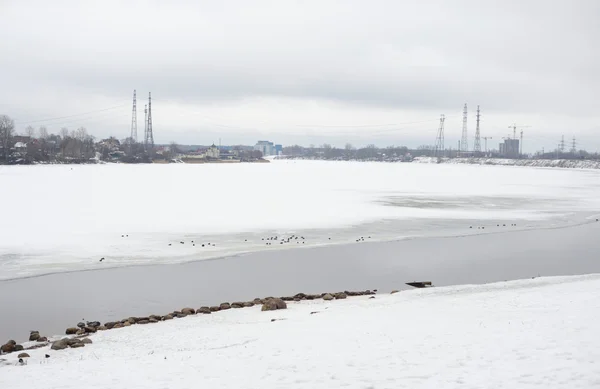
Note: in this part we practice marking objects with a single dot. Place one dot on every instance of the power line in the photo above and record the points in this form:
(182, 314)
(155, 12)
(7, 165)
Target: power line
(70, 116)
(215, 122)
(364, 125)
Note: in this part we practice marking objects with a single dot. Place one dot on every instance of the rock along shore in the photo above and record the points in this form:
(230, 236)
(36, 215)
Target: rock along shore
(82, 330)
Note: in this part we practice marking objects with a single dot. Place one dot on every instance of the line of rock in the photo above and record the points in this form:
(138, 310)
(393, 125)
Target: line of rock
(84, 329)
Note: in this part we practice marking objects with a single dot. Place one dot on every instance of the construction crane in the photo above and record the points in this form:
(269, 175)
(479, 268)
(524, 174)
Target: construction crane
(485, 138)
(514, 128)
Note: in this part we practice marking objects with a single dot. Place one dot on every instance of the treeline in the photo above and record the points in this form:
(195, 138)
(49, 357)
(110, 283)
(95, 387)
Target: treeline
(351, 153)
(76, 146)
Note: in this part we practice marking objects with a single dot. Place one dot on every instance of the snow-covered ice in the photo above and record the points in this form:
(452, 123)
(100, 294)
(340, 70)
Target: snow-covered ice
(63, 218)
(516, 334)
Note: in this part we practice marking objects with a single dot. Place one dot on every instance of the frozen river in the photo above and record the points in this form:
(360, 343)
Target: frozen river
(360, 226)
(66, 218)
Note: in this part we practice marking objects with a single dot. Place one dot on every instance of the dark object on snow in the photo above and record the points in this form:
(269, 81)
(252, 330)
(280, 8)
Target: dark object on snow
(47, 356)
(420, 284)
(274, 304)
(101, 259)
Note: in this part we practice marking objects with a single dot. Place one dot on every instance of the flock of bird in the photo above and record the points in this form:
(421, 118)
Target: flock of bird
(269, 241)
(298, 239)
(498, 225)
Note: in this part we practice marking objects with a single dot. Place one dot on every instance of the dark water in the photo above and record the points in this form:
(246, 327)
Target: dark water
(53, 302)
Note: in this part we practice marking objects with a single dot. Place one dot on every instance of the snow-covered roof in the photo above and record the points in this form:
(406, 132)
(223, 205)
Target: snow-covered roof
(20, 145)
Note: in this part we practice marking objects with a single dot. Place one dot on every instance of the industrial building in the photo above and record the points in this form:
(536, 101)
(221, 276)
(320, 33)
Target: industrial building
(509, 148)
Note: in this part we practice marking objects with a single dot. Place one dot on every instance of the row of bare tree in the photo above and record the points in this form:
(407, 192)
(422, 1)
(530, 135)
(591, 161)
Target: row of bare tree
(44, 146)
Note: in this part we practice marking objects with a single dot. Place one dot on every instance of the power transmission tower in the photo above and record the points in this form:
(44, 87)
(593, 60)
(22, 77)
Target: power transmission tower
(574, 146)
(464, 145)
(477, 145)
(439, 140)
(562, 144)
(134, 120)
(149, 137)
(145, 123)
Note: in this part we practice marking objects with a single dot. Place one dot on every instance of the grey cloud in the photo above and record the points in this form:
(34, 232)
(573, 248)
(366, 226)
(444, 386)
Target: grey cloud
(512, 57)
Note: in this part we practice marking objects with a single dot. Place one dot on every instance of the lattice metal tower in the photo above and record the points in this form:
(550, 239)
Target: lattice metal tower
(439, 140)
(574, 146)
(134, 120)
(145, 123)
(464, 142)
(477, 145)
(149, 137)
(561, 145)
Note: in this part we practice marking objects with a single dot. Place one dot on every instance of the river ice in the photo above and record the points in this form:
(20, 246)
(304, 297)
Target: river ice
(61, 218)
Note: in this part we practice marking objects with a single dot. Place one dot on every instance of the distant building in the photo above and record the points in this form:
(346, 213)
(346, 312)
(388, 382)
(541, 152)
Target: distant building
(265, 147)
(268, 148)
(509, 148)
(20, 148)
(213, 152)
(228, 154)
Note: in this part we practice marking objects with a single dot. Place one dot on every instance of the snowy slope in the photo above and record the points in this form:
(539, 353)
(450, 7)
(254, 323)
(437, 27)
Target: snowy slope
(562, 163)
(519, 334)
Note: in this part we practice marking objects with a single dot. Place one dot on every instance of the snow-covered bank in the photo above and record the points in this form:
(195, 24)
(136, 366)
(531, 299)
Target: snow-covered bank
(562, 163)
(520, 334)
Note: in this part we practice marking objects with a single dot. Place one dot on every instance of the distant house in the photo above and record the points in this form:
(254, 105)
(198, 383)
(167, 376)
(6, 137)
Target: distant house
(111, 144)
(21, 138)
(20, 148)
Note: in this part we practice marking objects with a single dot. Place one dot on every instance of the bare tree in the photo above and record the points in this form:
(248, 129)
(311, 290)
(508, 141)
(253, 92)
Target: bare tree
(7, 128)
(64, 132)
(173, 150)
(43, 131)
(81, 134)
(30, 131)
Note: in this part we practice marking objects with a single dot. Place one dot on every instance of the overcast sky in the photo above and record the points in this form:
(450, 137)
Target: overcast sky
(305, 71)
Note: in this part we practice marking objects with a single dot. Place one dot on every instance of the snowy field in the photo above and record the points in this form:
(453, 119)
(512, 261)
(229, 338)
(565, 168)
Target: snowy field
(62, 218)
(538, 333)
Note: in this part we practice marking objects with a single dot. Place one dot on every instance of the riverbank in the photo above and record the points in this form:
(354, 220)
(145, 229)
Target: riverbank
(51, 303)
(536, 333)
(549, 163)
